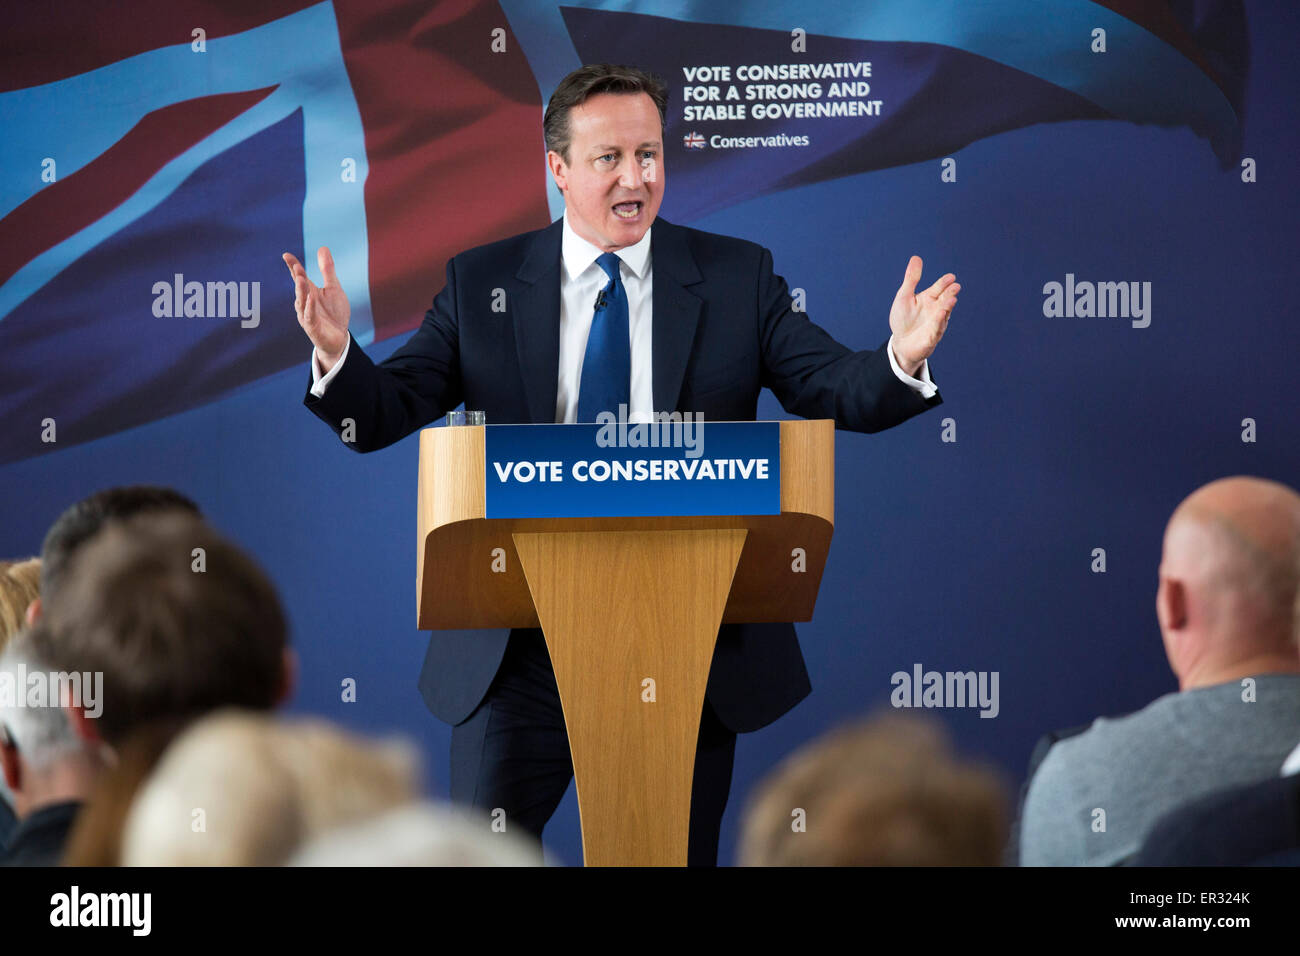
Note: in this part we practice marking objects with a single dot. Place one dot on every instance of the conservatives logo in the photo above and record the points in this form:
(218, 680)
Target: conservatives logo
(693, 140)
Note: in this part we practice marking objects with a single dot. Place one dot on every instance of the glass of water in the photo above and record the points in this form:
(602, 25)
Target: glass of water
(463, 417)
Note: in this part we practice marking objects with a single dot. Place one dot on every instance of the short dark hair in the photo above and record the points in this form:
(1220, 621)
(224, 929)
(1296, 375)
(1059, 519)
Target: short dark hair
(82, 521)
(591, 80)
(172, 640)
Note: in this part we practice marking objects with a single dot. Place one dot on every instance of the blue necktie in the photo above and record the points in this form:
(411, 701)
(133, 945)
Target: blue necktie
(607, 366)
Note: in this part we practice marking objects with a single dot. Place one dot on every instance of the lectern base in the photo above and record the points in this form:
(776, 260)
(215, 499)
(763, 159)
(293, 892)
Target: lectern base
(630, 620)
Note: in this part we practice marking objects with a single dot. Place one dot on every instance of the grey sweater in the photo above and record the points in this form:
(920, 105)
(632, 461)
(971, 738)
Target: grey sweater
(1126, 773)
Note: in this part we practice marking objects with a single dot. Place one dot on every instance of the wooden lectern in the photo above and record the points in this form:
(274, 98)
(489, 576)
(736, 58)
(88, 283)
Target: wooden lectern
(630, 608)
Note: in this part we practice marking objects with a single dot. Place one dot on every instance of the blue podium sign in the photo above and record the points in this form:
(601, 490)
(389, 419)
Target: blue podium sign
(629, 470)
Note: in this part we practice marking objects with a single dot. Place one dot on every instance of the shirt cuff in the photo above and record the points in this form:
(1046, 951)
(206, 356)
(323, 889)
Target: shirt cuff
(923, 385)
(320, 382)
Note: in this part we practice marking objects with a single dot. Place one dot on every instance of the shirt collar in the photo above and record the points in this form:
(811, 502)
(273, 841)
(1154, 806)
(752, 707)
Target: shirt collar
(578, 254)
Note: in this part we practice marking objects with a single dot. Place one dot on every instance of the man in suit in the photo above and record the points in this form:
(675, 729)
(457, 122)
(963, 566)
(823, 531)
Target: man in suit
(684, 321)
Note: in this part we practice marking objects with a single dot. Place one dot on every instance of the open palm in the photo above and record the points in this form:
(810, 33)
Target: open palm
(323, 310)
(918, 319)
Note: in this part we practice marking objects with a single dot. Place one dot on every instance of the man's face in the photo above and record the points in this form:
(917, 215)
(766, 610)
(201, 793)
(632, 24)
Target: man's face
(614, 182)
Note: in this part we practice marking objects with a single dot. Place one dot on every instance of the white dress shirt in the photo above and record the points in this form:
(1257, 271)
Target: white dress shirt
(580, 280)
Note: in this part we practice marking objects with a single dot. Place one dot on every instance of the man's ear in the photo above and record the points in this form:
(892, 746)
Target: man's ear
(33, 611)
(559, 169)
(288, 676)
(1171, 604)
(10, 764)
(86, 728)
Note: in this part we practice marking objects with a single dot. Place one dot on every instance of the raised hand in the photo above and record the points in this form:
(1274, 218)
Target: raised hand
(323, 311)
(918, 320)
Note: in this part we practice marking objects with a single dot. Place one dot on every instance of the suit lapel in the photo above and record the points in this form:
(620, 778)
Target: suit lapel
(536, 309)
(536, 312)
(676, 311)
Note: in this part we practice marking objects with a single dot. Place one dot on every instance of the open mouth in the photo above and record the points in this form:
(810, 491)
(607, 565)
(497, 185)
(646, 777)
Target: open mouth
(627, 210)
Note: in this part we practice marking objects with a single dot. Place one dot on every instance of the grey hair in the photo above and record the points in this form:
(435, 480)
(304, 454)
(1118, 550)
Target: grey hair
(42, 734)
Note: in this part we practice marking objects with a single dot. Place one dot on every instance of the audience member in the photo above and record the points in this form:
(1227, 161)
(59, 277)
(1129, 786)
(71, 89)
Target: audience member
(420, 834)
(48, 769)
(1225, 602)
(22, 583)
(83, 520)
(178, 621)
(886, 792)
(19, 589)
(242, 789)
(170, 621)
(96, 836)
(1256, 824)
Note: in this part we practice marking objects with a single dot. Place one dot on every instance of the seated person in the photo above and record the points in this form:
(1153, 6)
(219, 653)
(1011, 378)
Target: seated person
(1227, 586)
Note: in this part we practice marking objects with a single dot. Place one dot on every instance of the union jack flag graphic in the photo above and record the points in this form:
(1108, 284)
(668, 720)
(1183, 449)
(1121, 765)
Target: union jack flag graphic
(149, 149)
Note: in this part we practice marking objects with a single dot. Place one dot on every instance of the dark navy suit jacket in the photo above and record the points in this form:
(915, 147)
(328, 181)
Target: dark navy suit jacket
(724, 328)
(1255, 824)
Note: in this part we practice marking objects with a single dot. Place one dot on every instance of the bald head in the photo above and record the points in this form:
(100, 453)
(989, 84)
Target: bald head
(1228, 579)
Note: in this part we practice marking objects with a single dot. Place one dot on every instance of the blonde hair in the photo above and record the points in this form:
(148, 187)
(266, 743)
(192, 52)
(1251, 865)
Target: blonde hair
(421, 834)
(244, 789)
(20, 585)
(885, 792)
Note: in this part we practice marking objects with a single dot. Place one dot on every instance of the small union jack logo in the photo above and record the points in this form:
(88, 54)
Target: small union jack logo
(693, 140)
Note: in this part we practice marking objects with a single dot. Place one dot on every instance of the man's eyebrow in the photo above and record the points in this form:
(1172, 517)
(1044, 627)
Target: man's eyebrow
(607, 148)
